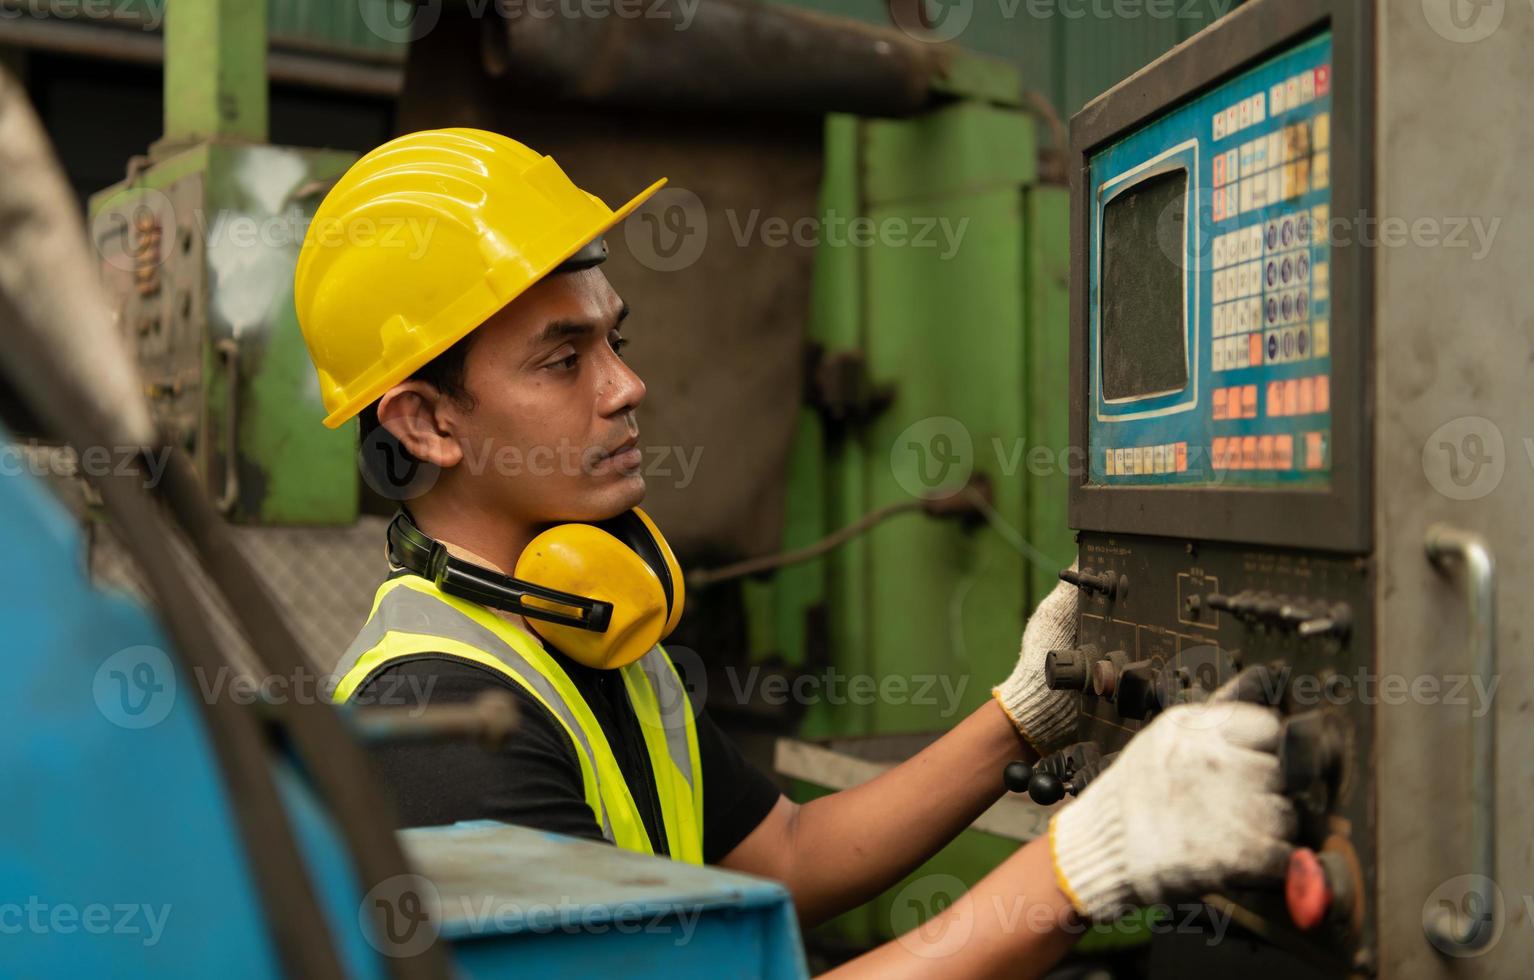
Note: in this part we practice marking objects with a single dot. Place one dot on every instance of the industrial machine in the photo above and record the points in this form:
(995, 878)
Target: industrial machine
(1298, 345)
(179, 810)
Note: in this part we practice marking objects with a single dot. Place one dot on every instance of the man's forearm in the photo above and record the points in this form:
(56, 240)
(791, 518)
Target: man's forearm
(848, 847)
(1015, 923)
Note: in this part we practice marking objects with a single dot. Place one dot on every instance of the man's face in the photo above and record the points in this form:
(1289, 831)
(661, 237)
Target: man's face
(553, 406)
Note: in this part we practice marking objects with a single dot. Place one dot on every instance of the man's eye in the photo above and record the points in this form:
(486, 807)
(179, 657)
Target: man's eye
(564, 363)
(618, 343)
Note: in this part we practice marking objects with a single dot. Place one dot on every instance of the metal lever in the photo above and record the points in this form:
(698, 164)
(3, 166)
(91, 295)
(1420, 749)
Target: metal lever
(1446, 545)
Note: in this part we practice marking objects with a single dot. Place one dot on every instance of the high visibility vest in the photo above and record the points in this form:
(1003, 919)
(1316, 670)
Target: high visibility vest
(411, 617)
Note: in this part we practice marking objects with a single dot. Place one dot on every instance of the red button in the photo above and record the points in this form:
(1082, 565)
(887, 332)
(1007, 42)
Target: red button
(1306, 890)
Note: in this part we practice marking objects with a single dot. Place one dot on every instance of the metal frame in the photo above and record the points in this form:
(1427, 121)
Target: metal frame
(1336, 518)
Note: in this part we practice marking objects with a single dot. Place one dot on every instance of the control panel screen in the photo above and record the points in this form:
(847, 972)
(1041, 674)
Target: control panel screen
(1144, 349)
(1209, 326)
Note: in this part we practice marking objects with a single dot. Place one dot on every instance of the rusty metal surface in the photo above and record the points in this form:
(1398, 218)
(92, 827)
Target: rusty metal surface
(739, 46)
(719, 311)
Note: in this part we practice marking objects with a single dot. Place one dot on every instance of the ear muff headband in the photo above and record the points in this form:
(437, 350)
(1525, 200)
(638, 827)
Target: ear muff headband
(623, 588)
(412, 549)
(635, 529)
(669, 570)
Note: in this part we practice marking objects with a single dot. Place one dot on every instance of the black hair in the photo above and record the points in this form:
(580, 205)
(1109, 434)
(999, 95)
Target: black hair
(447, 372)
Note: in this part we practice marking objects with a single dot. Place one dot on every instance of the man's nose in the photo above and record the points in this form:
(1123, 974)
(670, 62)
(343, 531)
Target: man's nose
(622, 389)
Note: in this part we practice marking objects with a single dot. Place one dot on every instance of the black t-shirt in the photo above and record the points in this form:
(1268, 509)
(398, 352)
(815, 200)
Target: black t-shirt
(535, 779)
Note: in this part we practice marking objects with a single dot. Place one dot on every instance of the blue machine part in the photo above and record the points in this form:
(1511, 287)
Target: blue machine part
(521, 902)
(1209, 332)
(120, 854)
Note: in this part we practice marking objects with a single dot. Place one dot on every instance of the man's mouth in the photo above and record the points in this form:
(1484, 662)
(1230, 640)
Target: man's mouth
(626, 456)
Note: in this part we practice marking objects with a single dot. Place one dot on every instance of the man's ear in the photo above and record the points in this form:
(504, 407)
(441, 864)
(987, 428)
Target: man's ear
(416, 414)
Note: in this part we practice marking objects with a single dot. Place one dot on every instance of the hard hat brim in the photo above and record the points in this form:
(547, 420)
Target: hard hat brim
(409, 366)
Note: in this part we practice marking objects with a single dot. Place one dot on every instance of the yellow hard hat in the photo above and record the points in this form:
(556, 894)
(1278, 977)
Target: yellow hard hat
(421, 241)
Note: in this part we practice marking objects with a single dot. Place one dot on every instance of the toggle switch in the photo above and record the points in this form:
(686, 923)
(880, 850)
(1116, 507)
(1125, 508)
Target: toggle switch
(1107, 583)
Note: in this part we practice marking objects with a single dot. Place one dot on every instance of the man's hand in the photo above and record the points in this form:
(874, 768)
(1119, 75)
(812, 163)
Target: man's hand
(1047, 719)
(1191, 804)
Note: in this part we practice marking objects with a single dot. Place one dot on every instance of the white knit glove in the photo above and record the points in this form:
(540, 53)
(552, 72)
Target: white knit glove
(1047, 719)
(1191, 804)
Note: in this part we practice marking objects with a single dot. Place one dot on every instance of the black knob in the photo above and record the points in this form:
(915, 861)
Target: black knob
(1136, 695)
(1046, 789)
(1016, 776)
(1069, 670)
(1311, 752)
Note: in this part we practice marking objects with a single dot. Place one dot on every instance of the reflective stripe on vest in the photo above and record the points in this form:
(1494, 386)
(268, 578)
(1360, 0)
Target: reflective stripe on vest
(411, 617)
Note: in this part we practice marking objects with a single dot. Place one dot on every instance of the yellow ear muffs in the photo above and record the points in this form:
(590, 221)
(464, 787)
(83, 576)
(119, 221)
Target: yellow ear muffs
(588, 561)
(635, 529)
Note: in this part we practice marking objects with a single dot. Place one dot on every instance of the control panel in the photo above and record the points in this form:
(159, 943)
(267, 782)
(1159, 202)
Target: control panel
(1218, 359)
(1209, 333)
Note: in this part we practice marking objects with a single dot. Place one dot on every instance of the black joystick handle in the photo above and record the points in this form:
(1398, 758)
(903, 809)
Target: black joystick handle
(1044, 788)
(1016, 776)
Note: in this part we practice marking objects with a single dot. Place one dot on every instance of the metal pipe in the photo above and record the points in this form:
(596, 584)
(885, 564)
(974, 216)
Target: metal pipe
(734, 54)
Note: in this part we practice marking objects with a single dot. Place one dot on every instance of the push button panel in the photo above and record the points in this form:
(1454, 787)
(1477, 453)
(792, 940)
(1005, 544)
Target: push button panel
(1190, 616)
(1252, 289)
